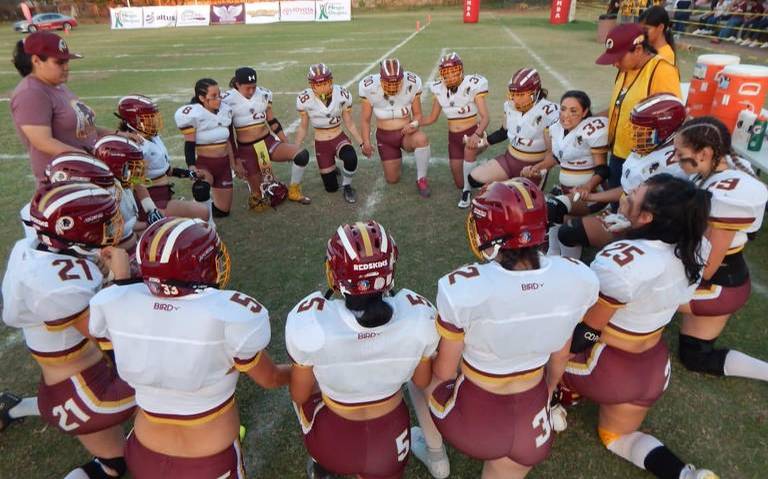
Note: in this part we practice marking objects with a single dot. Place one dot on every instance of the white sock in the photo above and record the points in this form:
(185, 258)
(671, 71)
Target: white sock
(431, 435)
(554, 243)
(27, 407)
(634, 447)
(422, 160)
(570, 251)
(297, 173)
(741, 365)
(77, 474)
(467, 168)
(346, 177)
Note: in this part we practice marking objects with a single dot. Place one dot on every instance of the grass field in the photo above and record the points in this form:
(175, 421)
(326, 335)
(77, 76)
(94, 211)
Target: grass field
(277, 256)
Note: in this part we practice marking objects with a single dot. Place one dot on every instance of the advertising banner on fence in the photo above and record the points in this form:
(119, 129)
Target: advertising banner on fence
(227, 13)
(192, 15)
(125, 18)
(333, 10)
(297, 11)
(159, 17)
(262, 12)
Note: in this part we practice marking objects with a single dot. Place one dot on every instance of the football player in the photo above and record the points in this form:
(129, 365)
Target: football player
(738, 204)
(359, 350)
(205, 123)
(181, 348)
(325, 105)
(462, 99)
(259, 139)
(46, 289)
(622, 361)
(579, 144)
(654, 122)
(498, 327)
(393, 96)
(528, 114)
(140, 115)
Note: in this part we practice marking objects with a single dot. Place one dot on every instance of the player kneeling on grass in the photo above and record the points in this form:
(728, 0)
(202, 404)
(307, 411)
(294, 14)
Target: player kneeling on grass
(394, 97)
(500, 331)
(181, 348)
(462, 99)
(47, 286)
(359, 350)
(702, 147)
(622, 362)
(258, 139)
(140, 115)
(325, 105)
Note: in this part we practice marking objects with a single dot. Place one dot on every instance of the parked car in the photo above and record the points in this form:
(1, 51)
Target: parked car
(46, 21)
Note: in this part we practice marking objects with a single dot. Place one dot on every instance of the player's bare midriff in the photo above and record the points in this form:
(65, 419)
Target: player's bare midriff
(393, 124)
(511, 385)
(252, 133)
(364, 413)
(461, 124)
(325, 134)
(84, 359)
(630, 345)
(218, 150)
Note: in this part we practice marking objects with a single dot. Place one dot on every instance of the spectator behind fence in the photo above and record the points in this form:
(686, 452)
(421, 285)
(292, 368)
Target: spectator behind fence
(755, 29)
(720, 13)
(738, 10)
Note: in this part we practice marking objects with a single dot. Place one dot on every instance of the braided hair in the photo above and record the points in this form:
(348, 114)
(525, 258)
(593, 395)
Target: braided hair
(201, 88)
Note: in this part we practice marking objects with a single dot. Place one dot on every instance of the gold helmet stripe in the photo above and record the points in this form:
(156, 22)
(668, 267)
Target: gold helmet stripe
(47, 197)
(367, 245)
(523, 192)
(159, 235)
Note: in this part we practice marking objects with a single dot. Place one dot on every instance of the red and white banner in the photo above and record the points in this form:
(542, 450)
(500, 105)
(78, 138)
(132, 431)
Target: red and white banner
(562, 11)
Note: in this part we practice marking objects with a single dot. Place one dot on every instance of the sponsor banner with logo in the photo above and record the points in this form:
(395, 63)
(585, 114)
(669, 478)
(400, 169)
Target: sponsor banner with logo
(262, 12)
(227, 13)
(159, 17)
(126, 18)
(297, 11)
(333, 10)
(192, 15)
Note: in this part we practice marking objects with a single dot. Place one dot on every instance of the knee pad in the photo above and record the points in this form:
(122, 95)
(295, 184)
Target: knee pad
(201, 191)
(349, 158)
(473, 182)
(573, 234)
(217, 213)
(95, 468)
(301, 158)
(700, 355)
(330, 181)
(557, 209)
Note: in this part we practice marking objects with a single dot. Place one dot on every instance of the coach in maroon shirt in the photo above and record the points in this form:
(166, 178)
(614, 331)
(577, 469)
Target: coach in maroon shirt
(48, 117)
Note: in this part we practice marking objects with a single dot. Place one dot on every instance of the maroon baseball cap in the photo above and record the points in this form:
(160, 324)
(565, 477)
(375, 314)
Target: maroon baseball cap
(622, 39)
(48, 44)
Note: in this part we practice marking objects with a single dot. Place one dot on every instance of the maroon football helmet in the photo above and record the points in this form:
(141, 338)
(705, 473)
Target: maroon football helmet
(320, 80)
(391, 74)
(179, 256)
(75, 215)
(123, 157)
(507, 215)
(654, 120)
(525, 87)
(81, 167)
(141, 114)
(361, 259)
(452, 70)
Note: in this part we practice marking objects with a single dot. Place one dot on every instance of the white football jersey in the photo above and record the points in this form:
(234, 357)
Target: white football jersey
(460, 103)
(129, 209)
(209, 128)
(511, 321)
(637, 169)
(574, 149)
(43, 293)
(248, 111)
(526, 130)
(738, 203)
(354, 364)
(155, 156)
(180, 354)
(386, 107)
(645, 281)
(26, 221)
(324, 116)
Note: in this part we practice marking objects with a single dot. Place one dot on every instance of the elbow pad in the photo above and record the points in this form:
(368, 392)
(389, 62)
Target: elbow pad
(497, 136)
(189, 152)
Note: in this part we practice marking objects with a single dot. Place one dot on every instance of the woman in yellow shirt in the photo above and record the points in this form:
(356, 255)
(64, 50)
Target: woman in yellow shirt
(658, 28)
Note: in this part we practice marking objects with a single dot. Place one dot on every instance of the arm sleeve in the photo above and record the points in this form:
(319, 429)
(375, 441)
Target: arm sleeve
(449, 321)
(32, 107)
(185, 119)
(599, 139)
(299, 103)
(97, 322)
(615, 285)
(60, 308)
(247, 334)
(479, 87)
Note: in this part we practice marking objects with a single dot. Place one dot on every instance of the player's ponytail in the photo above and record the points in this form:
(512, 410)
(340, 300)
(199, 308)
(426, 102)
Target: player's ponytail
(22, 60)
(680, 215)
(233, 82)
(201, 88)
(582, 98)
(510, 259)
(655, 16)
(370, 310)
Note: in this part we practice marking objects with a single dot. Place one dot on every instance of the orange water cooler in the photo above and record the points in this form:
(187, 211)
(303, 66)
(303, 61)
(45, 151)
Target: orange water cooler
(739, 87)
(703, 85)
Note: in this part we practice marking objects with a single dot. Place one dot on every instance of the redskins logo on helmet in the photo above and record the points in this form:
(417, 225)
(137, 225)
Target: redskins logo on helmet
(654, 121)
(451, 70)
(506, 215)
(524, 89)
(320, 80)
(78, 216)
(391, 74)
(141, 114)
(123, 157)
(180, 256)
(80, 167)
(361, 259)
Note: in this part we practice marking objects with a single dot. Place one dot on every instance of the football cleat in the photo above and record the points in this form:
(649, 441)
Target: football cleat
(464, 201)
(295, 194)
(436, 461)
(350, 195)
(690, 472)
(257, 204)
(7, 402)
(423, 185)
(558, 417)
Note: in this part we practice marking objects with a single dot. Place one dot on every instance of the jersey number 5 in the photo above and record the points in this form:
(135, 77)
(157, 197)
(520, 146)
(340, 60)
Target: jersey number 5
(246, 302)
(622, 253)
(403, 445)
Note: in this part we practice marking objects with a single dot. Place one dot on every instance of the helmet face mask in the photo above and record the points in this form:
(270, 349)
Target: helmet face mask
(141, 114)
(123, 157)
(524, 89)
(391, 76)
(451, 70)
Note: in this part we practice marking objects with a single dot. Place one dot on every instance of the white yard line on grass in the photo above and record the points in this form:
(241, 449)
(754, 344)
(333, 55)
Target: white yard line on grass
(560, 78)
(372, 201)
(759, 288)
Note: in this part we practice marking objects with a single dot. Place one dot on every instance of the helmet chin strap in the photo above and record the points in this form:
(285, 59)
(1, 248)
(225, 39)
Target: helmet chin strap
(492, 256)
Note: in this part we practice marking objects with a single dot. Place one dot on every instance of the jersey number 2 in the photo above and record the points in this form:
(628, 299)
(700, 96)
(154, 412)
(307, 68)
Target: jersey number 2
(61, 412)
(67, 265)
